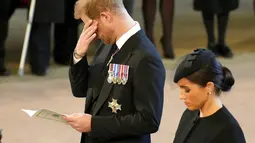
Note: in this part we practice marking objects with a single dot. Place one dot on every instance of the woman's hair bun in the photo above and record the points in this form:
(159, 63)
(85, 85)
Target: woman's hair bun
(228, 80)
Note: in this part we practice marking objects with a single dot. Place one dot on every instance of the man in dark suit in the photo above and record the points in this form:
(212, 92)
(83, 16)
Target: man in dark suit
(59, 12)
(123, 85)
(46, 13)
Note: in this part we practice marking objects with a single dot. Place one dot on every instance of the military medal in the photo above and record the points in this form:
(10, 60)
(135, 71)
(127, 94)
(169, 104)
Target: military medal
(114, 80)
(114, 106)
(125, 74)
(119, 73)
(118, 80)
(110, 73)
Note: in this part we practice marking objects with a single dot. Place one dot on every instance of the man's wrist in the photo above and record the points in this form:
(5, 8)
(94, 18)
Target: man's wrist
(78, 55)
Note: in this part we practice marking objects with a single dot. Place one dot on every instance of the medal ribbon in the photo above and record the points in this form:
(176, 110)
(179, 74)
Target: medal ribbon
(120, 71)
(115, 70)
(111, 68)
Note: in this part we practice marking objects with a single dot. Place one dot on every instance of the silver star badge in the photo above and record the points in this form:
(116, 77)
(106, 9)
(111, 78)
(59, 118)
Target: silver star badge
(114, 105)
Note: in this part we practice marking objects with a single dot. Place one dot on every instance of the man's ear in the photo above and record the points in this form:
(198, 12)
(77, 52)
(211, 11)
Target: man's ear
(106, 17)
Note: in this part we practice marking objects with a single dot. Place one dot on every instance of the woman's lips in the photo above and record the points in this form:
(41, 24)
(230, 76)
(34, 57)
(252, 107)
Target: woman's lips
(186, 103)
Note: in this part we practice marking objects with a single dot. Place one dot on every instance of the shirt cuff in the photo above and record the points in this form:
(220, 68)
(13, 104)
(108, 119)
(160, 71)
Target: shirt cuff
(75, 60)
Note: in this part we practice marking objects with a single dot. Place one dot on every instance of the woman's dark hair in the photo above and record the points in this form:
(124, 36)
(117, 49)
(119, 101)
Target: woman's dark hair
(214, 72)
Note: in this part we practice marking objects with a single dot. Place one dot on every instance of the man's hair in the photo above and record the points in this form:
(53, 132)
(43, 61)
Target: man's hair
(93, 8)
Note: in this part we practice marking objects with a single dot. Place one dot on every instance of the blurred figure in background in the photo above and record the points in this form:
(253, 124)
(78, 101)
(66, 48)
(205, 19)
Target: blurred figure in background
(221, 9)
(129, 5)
(65, 35)
(254, 6)
(48, 12)
(7, 7)
(167, 14)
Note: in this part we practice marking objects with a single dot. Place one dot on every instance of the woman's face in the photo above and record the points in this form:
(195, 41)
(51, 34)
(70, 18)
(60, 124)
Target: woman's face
(193, 95)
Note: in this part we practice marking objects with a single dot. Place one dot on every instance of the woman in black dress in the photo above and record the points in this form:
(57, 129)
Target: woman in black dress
(221, 9)
(167, 15)
(201, 79)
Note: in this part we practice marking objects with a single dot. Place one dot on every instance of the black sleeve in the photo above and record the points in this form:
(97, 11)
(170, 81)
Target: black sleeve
(79, 73)
(231, 134)
(149, 80)
(78, 77)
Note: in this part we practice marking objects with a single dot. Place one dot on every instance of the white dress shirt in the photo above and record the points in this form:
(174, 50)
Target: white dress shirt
(123, 39)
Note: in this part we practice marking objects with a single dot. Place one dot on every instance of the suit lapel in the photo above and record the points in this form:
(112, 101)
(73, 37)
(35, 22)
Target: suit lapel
(88, 100)
(100, 56)
(121, 57)
(187, 128)
(103, 56)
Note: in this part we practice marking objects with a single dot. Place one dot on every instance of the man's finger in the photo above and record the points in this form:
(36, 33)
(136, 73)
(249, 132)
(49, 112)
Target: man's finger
(92, 38)
(95, 22)
(73, 124)
(87, 25)
(90, 27)
(68, 118)
(90, 32)
(86, 32)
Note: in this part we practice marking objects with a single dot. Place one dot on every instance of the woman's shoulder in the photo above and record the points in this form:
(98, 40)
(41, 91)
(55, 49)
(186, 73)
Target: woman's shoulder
(189, 115)
(229, 124)
(226, 116)
(232, 132)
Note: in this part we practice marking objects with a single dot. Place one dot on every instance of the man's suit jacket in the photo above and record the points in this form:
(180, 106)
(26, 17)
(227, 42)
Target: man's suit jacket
(49, 11)
(141, 99)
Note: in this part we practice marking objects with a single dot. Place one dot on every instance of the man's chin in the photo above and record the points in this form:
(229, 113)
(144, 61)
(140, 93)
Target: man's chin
(107, 42)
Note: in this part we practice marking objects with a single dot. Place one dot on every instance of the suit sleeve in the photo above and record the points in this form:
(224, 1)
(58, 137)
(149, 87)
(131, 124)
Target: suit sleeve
(149, 80)
(231, 134)
(78, 77)
(79, 73)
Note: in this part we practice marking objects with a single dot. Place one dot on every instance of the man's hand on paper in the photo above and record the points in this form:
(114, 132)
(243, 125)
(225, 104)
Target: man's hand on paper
(80, 122)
